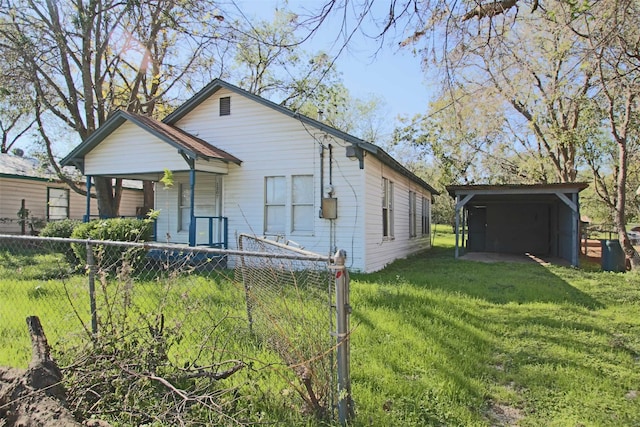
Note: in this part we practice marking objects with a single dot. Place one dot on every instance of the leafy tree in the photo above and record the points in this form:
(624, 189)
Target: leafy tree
(610, 29)
(566, 68)
(459, 139)
(269, 61)
(85, 59)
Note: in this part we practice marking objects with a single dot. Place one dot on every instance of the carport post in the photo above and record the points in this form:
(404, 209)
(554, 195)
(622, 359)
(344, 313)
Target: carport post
(575, 221)
(459, 206)
(575, 259)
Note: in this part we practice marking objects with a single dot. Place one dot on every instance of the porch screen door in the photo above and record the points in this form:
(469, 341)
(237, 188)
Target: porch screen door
(209, 205)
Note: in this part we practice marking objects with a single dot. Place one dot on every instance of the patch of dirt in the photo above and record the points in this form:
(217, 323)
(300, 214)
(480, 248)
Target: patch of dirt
(491, 257)
(501, 415)
(592, 250)
(33, 397)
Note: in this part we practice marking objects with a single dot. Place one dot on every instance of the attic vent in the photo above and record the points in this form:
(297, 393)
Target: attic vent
(225, 106)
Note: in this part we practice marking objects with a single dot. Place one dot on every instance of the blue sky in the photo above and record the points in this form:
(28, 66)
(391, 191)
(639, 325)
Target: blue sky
(392, 74)
(389, 73)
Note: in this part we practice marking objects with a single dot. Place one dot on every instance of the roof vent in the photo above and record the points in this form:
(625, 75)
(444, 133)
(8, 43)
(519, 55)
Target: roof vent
(225, 106)
(18, 152)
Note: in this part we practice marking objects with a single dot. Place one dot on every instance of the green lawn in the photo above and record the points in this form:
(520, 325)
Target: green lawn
(444, 342)
(460, 343)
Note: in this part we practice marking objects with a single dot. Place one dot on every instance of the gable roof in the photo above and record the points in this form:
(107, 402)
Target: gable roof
(218, 84)
(196, 147)
(184, 142)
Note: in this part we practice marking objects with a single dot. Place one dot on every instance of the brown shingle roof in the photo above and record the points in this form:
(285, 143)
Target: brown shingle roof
(183, 139)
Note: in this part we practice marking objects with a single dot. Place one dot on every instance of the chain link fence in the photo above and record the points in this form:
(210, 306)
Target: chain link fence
(221, 337)
(290, 307)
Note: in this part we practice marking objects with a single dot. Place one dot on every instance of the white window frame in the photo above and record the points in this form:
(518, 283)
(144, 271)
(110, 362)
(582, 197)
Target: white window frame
(412, 214)
(426, 216)
(302, 216)
(274, 205)
(57, 200)
(387, 208)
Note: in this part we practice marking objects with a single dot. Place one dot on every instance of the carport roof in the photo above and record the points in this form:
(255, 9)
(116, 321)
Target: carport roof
(516, 189)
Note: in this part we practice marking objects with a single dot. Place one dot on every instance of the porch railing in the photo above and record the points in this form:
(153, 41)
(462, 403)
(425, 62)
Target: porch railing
(217, 232)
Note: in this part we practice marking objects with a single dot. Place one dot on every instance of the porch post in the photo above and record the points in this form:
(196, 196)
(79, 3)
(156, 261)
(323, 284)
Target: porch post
(87, 216)
(192, 220)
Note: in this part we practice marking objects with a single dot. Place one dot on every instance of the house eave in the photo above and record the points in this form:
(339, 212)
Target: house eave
(76, 156)
(376, 151)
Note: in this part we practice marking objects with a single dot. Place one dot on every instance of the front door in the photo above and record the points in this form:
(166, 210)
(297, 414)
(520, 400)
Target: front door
(208, 210)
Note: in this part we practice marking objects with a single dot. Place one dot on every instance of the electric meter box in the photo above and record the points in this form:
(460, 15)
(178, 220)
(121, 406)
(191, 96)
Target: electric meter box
(329, 208)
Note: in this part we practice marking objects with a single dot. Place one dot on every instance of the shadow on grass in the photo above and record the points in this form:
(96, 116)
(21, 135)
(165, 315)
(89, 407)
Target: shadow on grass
(498, 283)
(441, 339)
(443, 349)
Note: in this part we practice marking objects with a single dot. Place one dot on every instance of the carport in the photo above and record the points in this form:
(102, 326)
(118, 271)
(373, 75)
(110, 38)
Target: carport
(539, 219)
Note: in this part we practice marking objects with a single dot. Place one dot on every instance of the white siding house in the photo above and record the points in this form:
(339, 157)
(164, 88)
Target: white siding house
(242, 164)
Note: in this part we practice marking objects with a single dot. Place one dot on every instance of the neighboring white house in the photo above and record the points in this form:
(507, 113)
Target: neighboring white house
(24, 183)
(243, 164)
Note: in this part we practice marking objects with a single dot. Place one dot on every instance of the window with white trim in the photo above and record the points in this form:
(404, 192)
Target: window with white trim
(426, 216)
(302, 203)
(412, 214)
(57, 203)
(184, 208)
(275, 198)
(387, 208)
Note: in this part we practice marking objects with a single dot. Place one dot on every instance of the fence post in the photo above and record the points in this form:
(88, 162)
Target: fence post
(22, 214)
(91, 267)
(343, 309)
(246, 285)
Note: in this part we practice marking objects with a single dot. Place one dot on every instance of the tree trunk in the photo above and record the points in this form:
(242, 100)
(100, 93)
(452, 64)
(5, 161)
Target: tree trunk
(107, 206)
(631, 255)
(149, 196)
(35, 397)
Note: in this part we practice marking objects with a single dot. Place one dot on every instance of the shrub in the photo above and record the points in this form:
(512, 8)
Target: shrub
(62, 228)
(116, 229)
